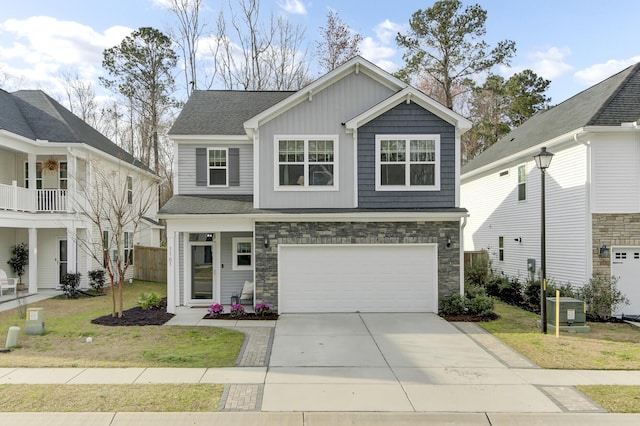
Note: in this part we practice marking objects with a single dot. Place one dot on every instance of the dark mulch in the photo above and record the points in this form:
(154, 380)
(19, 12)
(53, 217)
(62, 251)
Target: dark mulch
(268, 317)
(137, 316)
(470, 318)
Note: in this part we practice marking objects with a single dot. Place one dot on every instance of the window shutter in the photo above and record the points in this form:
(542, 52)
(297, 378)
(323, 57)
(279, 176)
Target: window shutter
(234, 166)
(201, 166)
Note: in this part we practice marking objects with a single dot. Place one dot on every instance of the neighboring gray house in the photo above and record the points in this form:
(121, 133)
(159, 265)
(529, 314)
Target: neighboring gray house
(592, 190)
(340, 197)
(49, 159)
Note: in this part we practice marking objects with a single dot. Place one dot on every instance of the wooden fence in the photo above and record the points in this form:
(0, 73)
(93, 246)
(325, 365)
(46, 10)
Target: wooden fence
(471, 256)
(150, 263)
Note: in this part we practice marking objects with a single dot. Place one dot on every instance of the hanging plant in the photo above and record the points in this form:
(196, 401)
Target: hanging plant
(50, 166)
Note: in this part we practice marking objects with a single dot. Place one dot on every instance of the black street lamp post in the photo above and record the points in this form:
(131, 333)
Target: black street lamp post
(543, 160)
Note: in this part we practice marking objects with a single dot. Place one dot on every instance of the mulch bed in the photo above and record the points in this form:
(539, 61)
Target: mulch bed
(137, 316)
(248, 316)
(470, 318)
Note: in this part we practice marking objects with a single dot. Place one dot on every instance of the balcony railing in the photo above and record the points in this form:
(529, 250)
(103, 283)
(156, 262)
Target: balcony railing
(13, 197)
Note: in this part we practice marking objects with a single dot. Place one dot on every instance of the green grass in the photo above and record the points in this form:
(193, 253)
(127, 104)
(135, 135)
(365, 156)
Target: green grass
(68, 323)
(615, 399)
(608, 346)
(107, 398)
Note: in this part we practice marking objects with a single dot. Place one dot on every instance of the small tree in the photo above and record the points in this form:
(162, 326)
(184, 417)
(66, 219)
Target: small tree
(19, 259)
(602, 296)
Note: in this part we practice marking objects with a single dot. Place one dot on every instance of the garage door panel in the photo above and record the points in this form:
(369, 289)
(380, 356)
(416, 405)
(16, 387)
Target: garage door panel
(364, 278)
(625, 265)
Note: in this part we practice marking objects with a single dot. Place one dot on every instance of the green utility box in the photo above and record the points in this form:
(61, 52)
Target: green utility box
(572, 314)
(35, 321)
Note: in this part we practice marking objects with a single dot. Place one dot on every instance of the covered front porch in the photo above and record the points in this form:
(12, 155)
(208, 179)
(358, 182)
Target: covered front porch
(209, 262)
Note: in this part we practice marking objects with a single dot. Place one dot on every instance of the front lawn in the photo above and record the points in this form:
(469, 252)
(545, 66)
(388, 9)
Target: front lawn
(67, 324)
(608, 346)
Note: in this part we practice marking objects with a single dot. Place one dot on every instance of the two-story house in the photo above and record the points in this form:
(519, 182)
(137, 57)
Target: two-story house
(49, 163)
(592, 191)
(340, 197)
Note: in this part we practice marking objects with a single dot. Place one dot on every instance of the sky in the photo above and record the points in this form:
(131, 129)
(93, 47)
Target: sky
(573, 43)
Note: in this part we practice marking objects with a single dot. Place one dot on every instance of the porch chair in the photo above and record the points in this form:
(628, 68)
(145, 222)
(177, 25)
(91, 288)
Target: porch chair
(5, 282)
(246, 297)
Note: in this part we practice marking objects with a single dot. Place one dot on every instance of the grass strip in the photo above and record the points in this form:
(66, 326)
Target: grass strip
(108, 398)
(614, 399)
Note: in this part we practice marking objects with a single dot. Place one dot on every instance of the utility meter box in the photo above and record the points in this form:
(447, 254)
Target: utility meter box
(572, 314)
(35, 321)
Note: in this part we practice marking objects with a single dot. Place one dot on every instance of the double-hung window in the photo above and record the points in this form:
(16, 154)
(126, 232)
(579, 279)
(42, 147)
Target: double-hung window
(129, 190)
(242, 253)
(38, 175)
(218, 166)
(522, 183)
(306, 162)
(407, 162)
(128, 248)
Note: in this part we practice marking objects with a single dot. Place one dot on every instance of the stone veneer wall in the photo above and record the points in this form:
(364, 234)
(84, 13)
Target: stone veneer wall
(354, 233)
(612, 230)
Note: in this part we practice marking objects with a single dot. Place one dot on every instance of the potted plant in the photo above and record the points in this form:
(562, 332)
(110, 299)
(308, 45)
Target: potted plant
(18, 261)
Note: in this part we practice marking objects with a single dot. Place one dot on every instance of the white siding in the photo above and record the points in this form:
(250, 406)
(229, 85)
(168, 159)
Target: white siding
(48, 256)
(187, 170)
(616, 173)
(322, 115)
(492, 201)
(8, 167)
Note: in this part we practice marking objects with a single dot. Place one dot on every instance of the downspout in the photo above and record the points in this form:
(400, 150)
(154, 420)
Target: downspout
(588, 212)
(462, 226)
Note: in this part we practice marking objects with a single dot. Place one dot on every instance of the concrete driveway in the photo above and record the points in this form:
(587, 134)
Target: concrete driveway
(389, 362)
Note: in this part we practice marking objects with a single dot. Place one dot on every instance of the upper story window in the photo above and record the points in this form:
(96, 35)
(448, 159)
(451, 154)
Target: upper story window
(129, 190)
(218, 170)
(306, 162)
(522, 183)
(407, 162)
(501, 248)
(38, 175)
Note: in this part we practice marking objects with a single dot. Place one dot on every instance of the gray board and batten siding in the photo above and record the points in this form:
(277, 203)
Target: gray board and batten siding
(324, 114)
(406, 119)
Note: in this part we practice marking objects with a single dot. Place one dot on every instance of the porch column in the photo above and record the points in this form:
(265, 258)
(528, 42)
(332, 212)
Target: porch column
(72, 252)
(172, 287)
(71, 183)
(31, 165)
(33, 258)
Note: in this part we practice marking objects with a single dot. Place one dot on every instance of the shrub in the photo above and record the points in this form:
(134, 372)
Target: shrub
(478, 272)
(70, 284)
(602, 296)
(480, 305)
(510, 291)
(96, 280)
(215, 310)
(493, 285)
(452, 305)
(149, 300)
(237, 310)
(263, 309)
(472, 290)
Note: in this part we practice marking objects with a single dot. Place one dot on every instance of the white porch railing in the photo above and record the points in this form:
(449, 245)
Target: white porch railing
(13, 197)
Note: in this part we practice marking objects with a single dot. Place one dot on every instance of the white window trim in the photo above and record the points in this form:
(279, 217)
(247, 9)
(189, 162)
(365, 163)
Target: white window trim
(226, 150)
(306, 187)
(407, 186)
(128, 247)
(234, 243)
(130, 190)
(24, 172)
(524, 166)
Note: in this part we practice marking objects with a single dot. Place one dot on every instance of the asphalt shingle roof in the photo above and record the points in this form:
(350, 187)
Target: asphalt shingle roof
(35, 115)
(611, 102)
(223, 112)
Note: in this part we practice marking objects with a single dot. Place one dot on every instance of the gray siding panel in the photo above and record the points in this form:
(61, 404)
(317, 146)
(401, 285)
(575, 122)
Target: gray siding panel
(231, 282)
(322, 115)
(234, 167)
(187, 168)
(406, 119)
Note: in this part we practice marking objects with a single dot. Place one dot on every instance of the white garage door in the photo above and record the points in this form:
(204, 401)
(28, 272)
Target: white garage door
(357, 278)
(625, 265)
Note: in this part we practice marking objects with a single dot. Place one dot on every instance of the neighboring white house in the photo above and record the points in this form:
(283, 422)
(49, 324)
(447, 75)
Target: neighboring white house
(41, 207)
(592, 191)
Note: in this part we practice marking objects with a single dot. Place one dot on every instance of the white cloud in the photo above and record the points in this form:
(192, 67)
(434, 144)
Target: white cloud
(295, 7)
(550, 63)
(381, 49)
(598, 72)
(35, 49)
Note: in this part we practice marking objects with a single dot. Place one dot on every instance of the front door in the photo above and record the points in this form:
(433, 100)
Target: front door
(62, 259)
(202, 272)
